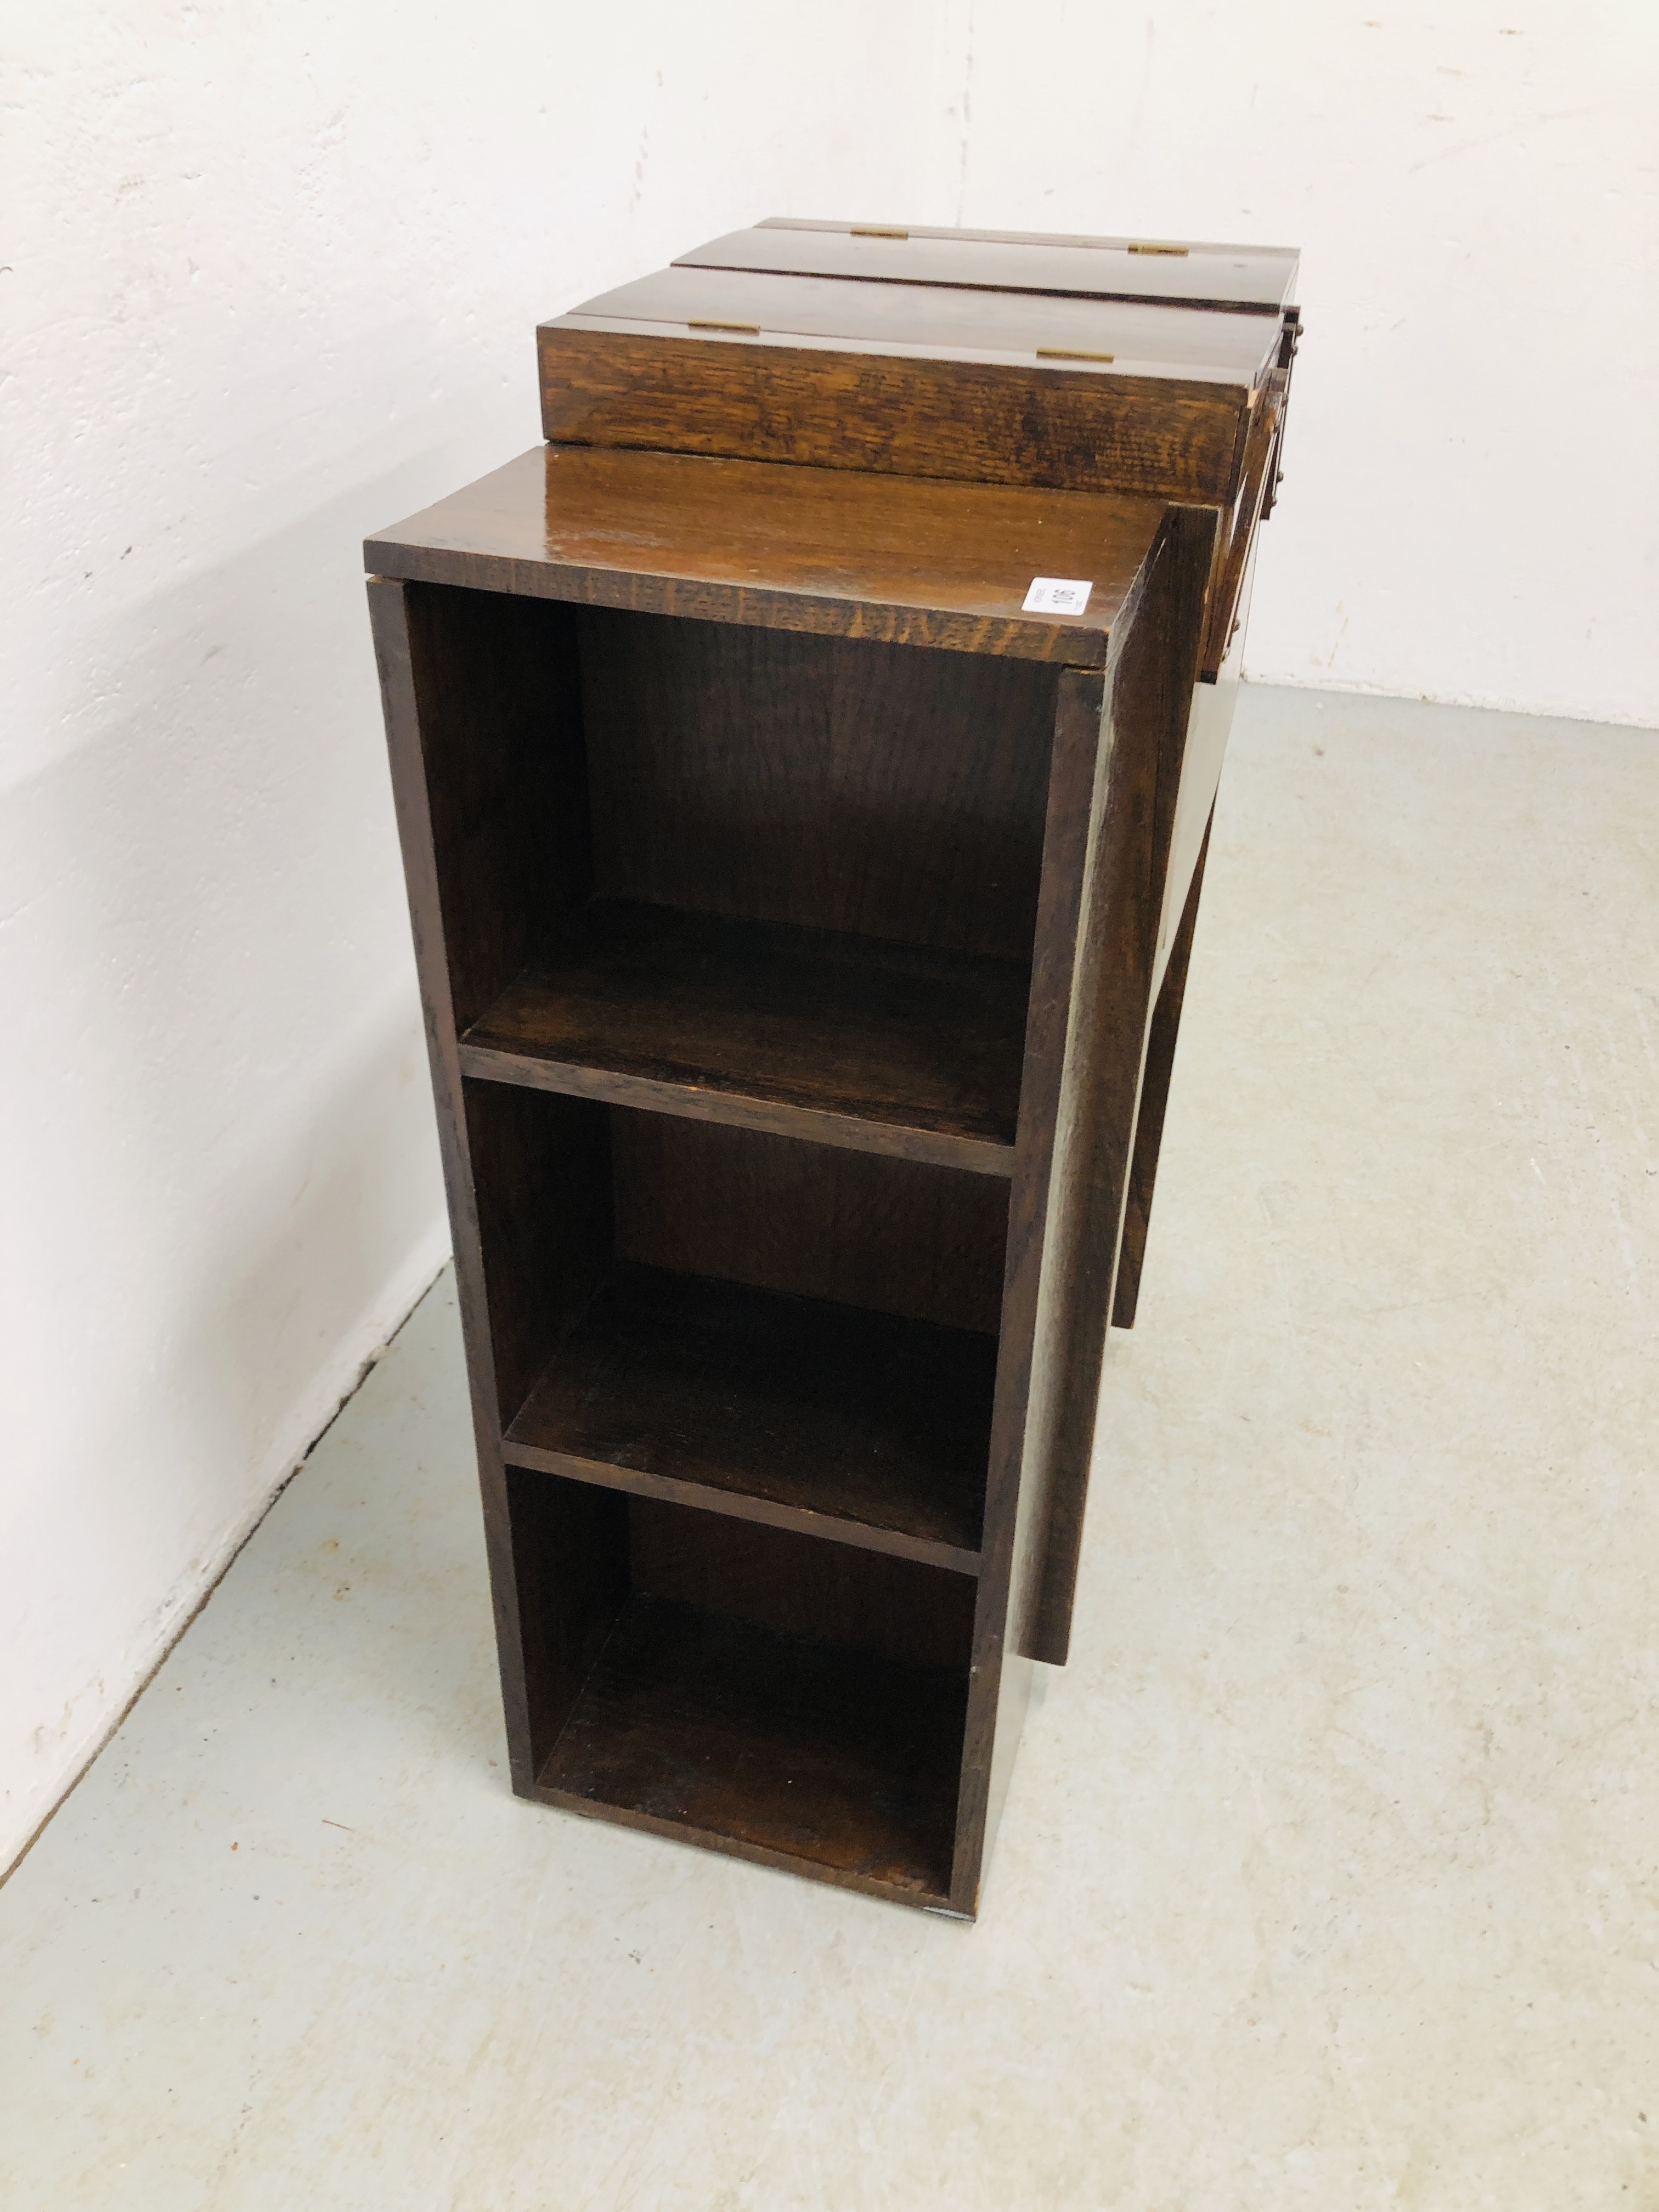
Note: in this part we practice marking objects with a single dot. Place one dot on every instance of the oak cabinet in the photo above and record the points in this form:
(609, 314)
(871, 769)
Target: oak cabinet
(802, 900)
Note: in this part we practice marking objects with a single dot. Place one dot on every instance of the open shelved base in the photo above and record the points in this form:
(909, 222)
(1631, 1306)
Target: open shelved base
(835, 1762)
(788, 970)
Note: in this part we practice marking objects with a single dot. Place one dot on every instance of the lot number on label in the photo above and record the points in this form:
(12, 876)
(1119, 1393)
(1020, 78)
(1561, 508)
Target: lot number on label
(1057, 595)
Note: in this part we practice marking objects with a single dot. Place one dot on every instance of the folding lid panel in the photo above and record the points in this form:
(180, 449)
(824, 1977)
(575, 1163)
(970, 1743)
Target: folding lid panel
(976, 357)
(949, 322)
(1237, 279)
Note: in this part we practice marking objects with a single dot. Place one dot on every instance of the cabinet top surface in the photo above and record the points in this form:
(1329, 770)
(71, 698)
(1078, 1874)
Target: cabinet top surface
(912, 560)
(1247, 279)
(1066, 332)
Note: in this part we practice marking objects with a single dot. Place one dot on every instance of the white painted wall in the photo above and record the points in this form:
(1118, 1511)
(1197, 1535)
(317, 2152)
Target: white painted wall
(271, 276)
(274, 274)
(1471, 504)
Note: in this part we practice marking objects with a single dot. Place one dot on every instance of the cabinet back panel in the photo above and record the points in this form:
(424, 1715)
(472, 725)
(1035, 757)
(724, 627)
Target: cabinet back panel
(895, 1236)
(802, 1585)
(893, 790)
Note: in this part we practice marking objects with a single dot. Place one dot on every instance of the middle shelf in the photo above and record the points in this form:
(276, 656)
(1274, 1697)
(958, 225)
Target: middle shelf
(865, 1427)
(851, 1041)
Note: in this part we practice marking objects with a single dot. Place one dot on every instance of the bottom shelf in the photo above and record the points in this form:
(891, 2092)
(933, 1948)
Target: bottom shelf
(839, 1758)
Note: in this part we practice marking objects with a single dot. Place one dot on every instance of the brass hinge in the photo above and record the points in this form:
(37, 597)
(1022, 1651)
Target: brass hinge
(870, 231)
(1070, 353)
(1180, 252)
(741, 330)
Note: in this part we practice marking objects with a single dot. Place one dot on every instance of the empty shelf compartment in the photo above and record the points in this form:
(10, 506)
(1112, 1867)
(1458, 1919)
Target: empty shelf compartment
(827, 1418)
(707, 1723)
(854, 1039)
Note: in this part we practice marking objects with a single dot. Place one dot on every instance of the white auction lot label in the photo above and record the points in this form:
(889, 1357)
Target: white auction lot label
(1057, 595)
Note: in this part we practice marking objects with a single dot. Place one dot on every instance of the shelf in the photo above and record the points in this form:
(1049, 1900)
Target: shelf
(827, 1420)
(778, 1744)
(845, 1040)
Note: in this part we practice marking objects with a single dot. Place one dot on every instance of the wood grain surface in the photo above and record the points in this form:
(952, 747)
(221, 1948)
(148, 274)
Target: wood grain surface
(893, 1236)
(819, 550)
(888, 412)
(832, 783)
(798, 1754)
(1248, 279)
(866, 1429)
(890, 1047)
(802, 928)
(1097, 338)
(1154, 1102)
(1134, 805)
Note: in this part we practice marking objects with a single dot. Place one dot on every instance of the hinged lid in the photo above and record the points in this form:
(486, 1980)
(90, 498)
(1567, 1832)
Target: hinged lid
(948, 322)
(1237, 279)
(1143, 366)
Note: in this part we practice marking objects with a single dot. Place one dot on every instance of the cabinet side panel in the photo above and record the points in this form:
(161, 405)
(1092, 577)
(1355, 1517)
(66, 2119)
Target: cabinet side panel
(571, 1581)
(1236, 542)
(495, 684)
(1209, 726)
(1135, 803)
(389, 611)
(1154, 1099)
(1001, 1674)
(1207, 730)
(541, 1168)
(892, 791)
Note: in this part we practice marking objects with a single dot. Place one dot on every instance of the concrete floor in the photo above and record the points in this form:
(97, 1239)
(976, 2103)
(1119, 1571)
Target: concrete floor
(1330, 1875)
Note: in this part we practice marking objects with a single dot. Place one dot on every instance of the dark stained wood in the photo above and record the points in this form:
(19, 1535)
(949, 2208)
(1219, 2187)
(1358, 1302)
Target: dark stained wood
(1135, 803)
(862, 1427)
(775, 1747)
(802, 930)
(878, 792)
(893, 1235)
(1289, 337)
(853, 1040)
(1001, 1677)
(1097, 337)
(1209, 724)
(570, 1581)
(894, 1608)
(500, 743)
(1117, 759)
(541, 1176)
(1154, 1099)
(1207, 729)
(422, 732)
(1245, 279)
(838, 784)
(821, 550)
(1238, 536)
(810, 403)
